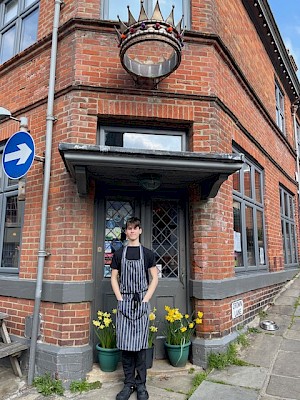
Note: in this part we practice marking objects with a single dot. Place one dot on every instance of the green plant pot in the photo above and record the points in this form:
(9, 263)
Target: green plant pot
(108, 358)
(178, 354)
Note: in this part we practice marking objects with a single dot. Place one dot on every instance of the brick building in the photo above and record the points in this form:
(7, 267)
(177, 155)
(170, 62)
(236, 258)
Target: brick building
(207, 157)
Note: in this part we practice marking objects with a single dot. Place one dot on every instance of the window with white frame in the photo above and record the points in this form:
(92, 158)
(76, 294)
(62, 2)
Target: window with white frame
(288, 227)
(11, 217)
(248, 218)
(279, 108)
(112, 8)
(18, 26)
(142, 138)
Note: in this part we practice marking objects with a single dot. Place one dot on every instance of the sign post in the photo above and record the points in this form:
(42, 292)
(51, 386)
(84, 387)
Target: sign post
(18, 155)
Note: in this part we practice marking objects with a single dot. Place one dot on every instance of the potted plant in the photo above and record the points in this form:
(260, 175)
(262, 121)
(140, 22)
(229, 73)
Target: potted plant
(108, 353)
(151, 338)
(179, 330)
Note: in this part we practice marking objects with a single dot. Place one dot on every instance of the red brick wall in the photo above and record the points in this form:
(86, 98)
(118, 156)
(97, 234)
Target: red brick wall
(61, 324)
(217, 319)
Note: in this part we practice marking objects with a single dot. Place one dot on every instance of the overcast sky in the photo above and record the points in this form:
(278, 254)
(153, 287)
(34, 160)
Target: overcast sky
(287, 17)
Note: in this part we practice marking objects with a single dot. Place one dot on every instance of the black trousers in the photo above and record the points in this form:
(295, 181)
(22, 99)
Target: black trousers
(134, 367)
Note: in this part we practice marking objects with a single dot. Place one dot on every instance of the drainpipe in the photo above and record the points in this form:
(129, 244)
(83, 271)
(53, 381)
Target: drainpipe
(42, 254)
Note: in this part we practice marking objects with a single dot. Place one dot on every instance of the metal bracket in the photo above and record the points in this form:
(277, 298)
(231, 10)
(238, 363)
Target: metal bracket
(39, 158)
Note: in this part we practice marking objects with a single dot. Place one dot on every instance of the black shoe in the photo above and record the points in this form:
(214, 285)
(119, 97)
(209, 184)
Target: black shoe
(142, 393)
(125, 393)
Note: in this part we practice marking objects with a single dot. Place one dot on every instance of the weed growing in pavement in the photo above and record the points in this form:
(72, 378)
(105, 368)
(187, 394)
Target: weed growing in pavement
(222, 360)
(84, 386)
(262, 314)
(243, 340)
(254, 330)
(47, 385)
(197, 380)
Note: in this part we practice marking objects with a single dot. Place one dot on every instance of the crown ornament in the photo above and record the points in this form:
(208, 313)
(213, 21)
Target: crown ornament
(150, 48)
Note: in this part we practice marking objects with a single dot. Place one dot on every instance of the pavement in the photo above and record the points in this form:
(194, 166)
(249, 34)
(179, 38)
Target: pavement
(272, 373)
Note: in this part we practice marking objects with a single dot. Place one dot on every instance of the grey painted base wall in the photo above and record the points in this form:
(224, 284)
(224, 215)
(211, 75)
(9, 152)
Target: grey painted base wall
(201, 348)
(65, 363)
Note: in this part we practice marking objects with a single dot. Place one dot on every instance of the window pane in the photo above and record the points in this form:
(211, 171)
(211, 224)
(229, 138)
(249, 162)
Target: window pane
(293, 244)
(258, 186)
(247, 180)
(260, 237)
(131, 140)
(291, 207)
(11, 11)
(283, 242)
(236, 181)
(166, 8)
(250, 236)
(116, 8)
(12, 233)
(165, 237)
(237, 230)
(286, 204)
(288, 244)
(29, 30)
(8, 40)
(28, 2)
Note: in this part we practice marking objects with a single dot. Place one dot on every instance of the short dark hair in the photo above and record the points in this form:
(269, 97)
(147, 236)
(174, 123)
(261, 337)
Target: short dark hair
(136, 222)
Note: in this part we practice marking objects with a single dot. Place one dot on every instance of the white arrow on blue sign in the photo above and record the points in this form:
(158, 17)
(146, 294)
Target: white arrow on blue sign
(18, 155)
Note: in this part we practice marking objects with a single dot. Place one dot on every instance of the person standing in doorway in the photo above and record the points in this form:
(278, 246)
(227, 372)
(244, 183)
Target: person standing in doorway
(130, 282)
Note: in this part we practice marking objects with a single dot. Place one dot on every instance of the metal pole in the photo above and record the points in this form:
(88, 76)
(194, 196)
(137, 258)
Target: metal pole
(42, 252)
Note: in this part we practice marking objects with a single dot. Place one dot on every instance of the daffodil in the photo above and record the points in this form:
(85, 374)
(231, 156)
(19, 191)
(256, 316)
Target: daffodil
(105, 329)
(180, 327)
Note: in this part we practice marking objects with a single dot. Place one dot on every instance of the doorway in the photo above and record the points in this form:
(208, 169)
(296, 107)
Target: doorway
(164, 231)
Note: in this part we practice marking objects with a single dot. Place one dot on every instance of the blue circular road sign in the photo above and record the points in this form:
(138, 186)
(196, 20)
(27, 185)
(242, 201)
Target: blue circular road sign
(18, 155)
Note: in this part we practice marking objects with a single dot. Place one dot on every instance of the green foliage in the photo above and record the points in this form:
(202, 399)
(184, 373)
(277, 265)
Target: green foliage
(197, 380)
(262, 314)
(84, 386)
(48, 386)
(222, 360)
(253, 330)
(243, 340)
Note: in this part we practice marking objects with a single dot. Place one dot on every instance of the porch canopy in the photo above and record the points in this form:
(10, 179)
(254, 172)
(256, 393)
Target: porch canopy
(130, 168)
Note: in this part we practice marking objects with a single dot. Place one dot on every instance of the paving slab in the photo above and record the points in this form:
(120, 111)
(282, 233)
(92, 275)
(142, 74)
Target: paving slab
(297, 312)
(179, 383)
(284, 310)
(285, 300)
(290, 345)
(262, 350)
(295, 324)
(250, 377)
(287, 364)
(216, 391)
(284, 387)
(292, 334)
(293, 292)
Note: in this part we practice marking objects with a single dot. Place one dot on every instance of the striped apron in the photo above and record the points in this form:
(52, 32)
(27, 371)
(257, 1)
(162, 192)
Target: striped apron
(133, 315)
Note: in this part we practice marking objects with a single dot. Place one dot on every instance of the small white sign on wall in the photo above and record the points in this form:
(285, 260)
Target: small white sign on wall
(237, 308)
